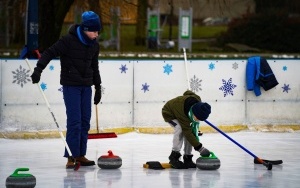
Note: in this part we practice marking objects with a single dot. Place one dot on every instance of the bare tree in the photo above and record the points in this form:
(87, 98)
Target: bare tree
(95, 6)
(51, 18)
(140, 38)
(264, 5)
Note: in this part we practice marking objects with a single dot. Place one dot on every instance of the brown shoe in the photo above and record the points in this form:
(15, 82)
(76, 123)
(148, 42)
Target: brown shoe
(84, 161)
(70, 164)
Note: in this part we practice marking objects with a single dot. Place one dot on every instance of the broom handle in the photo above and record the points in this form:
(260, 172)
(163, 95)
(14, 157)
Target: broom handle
(49, 108)
(268, 165)
(186, 69)
(97, 124)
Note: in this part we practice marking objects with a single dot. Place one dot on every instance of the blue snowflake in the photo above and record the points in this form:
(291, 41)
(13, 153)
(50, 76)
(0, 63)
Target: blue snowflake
(211, 66)
(286, 88)
(284, 68)
(167, 69)
(227, 87)
(145, 87)
(123, 68)
(43, 86)
(51, 67)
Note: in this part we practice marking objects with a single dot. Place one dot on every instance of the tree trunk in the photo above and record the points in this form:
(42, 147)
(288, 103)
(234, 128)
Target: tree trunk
(171, 19)
(52, 14)
(140, 38)
(18, 23)
(264, 5)
(95, 7)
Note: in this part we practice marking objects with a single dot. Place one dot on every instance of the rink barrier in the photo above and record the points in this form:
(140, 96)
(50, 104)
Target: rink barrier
(157, 130)
(134, 92)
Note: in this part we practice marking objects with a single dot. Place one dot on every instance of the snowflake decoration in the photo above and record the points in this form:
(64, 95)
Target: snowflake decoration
(123, 68)
(227, 87)
(195, 84)
(167, 69)
(235, 66)
(61, 89)
(102, 89)
(51, 67)
(284, 68)
(286, 88)
(43, 86)
(21, 76)
(211, 66)
(145, 87)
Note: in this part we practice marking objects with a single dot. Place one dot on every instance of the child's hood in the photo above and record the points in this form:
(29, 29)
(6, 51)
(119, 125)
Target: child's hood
(189, 92)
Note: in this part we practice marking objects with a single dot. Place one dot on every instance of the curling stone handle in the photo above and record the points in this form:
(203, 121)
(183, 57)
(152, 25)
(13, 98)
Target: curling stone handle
(212, 155)
(16, 172)
(110, 153)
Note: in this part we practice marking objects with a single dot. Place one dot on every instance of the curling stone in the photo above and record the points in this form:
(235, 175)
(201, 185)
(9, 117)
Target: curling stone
(109, 161)
(20, 180)
(208, 163)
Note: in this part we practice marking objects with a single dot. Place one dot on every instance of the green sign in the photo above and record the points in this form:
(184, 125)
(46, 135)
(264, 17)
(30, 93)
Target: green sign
(185, 27)
(153, 26)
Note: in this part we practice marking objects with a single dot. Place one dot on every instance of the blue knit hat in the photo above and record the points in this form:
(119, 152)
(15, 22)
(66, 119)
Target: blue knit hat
(201, 110)
(90, 21)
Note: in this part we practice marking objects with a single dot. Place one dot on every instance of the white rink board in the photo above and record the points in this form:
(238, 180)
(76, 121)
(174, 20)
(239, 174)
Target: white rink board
(134, 91)
(115, 109)
(161, 87)
(23, 104)
(212, 73)
(277, 106)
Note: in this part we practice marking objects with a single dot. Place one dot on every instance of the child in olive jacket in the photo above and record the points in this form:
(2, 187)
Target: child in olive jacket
(184, 113)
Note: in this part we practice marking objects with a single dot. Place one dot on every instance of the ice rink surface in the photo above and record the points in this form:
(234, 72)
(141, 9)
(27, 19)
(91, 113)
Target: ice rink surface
(44, 159)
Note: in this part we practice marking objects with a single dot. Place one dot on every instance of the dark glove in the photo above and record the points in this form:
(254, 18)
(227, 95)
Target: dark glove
(97, 96)
(36, 75)
(204, 152)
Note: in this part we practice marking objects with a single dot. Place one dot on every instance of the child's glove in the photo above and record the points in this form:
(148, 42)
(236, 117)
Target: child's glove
(204, 152)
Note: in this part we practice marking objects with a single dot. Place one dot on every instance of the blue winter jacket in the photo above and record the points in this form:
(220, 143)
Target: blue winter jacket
(259, 73)
(252, 74)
